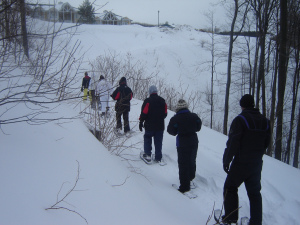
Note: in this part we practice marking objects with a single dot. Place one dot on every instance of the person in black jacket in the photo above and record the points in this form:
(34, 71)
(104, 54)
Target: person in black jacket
(152, 118)
(185, 124)
(85, 85)
(248, 138)
(123, 94)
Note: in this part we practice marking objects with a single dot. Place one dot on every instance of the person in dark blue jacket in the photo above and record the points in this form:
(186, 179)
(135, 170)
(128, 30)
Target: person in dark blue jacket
(85, 86)
(248, 138)
(152, 118)
(123, 94)
(185, 124)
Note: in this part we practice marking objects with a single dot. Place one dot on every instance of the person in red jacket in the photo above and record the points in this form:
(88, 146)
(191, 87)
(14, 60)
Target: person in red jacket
(152, 118)
(123, 94)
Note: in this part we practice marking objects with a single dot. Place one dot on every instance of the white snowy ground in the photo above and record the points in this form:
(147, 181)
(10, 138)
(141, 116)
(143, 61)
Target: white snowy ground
(39, 164)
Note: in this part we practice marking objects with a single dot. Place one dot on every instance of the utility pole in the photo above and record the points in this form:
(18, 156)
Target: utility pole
(158, 19)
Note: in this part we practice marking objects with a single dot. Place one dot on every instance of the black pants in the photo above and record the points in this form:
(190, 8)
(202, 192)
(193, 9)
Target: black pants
(125, 119)
(250, 174)
(187, 166)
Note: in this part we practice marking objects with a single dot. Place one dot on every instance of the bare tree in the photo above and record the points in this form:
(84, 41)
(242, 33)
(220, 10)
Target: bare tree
(281, 77)
(263, 10)
(40, 82)
(297, 143)
(23, 26)
(237, 7)
(211, 20)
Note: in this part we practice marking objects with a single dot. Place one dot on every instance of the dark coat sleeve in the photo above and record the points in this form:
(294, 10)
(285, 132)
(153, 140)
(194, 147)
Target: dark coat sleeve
(233, 143)
(199, 124)
(268, 138)
(172, 126)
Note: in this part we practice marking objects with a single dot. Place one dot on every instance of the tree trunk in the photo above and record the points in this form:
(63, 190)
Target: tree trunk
(255, 68)
(296, 152)
(23, 27)
(261, 68)
(273, 102)
(295, 93)
(281, 77)
(226, 108)
(6, 5)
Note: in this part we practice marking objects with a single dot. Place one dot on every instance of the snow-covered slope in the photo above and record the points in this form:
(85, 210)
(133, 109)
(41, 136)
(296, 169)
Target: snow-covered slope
(39, 165)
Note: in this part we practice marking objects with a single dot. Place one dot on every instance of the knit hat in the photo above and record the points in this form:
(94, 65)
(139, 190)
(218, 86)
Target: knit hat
(247, 101)
(101, 77)
(152, 89)
(181, 105)
(122, 80)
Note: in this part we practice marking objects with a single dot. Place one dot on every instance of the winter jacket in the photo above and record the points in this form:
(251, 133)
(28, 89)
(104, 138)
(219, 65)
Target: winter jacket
(185, 124)
(249, 137)
(154, 111)
(85, 82)
(103, 90)
(123, 95)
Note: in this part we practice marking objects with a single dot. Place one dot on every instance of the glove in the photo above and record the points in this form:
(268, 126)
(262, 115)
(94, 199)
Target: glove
(226, 168)
(141, 125)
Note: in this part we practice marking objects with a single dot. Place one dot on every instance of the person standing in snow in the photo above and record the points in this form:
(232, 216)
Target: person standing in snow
(103, 90)
(185, 124)
(248, 138)
(85, 85)
(152, 118)
(92, 92)
(123, 94)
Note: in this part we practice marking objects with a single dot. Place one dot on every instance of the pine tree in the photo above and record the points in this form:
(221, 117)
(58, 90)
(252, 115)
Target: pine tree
(87, 12)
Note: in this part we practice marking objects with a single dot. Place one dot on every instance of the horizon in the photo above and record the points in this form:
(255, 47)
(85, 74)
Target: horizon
(190, 12)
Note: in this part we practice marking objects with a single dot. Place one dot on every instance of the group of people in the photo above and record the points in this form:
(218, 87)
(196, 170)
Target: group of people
(248, 138)
(102, 91)
(99, 92)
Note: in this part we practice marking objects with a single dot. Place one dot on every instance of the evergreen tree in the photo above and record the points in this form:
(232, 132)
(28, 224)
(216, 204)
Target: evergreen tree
(86, 11)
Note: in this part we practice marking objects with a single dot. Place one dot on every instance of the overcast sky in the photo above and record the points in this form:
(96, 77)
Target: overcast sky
(190, 12)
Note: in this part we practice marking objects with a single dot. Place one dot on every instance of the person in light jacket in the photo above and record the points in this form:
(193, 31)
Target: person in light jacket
(103, 91)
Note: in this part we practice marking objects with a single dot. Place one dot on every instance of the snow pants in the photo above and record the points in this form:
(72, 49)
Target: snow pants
(85, 93)
(93, 97)
(104, 102)
(125, 119)
(187, 166)
(250, 174)
(158, 138)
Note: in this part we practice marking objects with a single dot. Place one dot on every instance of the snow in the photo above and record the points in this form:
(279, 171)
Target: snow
(39, 164)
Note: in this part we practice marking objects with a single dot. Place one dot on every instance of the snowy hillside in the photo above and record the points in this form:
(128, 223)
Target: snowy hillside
(39, 165)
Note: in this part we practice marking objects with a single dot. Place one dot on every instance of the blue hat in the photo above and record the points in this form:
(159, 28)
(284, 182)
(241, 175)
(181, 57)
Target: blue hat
(152, 89)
